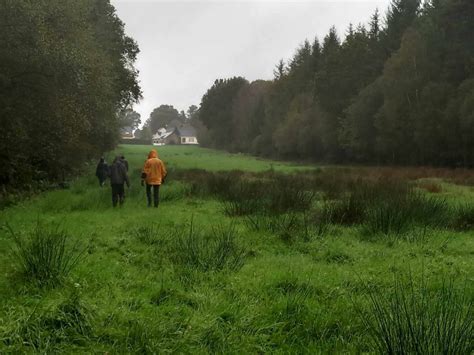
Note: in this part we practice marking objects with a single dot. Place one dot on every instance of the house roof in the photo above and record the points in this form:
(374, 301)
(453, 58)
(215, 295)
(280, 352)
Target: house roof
(164, 135)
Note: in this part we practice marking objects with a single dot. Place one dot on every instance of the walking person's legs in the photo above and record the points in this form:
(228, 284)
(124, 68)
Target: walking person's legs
(121, 194)
(156, 195)
(148, 194)
(115, 196)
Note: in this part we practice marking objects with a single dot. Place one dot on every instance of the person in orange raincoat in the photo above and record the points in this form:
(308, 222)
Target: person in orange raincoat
(153, 174)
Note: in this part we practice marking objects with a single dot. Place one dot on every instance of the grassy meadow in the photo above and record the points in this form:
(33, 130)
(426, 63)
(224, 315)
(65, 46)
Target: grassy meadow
(243, 255)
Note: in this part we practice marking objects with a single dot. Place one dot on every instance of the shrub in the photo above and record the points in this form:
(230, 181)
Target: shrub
(45, 255)
(415, 320)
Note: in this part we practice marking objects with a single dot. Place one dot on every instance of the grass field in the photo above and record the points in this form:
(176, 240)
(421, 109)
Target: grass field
(243, 255)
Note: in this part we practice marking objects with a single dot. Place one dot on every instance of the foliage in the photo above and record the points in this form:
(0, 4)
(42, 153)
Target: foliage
(162, 116)
(67, 71)
(129, 119)
(386, 93)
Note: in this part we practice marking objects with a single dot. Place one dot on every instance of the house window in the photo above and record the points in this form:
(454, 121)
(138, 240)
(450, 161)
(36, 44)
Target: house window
(191, 140)
(183, 140)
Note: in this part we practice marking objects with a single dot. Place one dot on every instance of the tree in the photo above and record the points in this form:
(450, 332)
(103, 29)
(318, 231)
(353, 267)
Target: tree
(404, 76)
(394, 93)
(216, 109)
(280, 70)
(400, 15)
(162, 116)
(129, 118)
(144, 133)
(66, 70)
(192, 112)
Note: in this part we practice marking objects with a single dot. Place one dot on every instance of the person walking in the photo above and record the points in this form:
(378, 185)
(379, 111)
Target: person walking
(118, 177)
(153, 174)
(102, 171)
(124, 162)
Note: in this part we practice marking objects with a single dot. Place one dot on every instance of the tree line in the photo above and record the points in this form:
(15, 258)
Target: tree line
(66, 81)
(399, 90)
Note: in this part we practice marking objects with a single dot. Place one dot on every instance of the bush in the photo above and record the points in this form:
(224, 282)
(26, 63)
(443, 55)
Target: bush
(45, 256)
(415, 320)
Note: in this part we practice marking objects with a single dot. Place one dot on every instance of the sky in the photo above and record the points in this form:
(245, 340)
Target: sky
(185, 45)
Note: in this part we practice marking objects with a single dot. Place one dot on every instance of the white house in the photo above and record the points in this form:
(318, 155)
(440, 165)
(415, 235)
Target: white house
(183, 135)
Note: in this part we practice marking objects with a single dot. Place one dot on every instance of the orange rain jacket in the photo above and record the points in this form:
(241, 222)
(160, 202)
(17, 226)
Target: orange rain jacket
(154, 169)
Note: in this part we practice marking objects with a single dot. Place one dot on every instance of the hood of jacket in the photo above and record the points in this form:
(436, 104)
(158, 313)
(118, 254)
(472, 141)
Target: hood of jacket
(152, 154)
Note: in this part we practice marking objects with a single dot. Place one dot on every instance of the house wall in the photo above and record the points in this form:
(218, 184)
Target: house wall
(172, 139)
(189, 140)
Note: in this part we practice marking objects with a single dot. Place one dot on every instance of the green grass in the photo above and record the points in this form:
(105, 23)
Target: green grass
(294, 275)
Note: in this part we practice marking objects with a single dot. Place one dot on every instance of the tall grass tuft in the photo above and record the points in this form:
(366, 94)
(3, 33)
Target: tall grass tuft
(148, 234)
(348, 211)
(208, 251)
(43, 331)
(45, 256)
(399, 213)
(413, 319)
(463, 218)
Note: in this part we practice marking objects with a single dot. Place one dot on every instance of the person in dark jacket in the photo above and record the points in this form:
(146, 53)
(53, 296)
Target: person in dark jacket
(124, 162)
(118, 177)
(102, 171)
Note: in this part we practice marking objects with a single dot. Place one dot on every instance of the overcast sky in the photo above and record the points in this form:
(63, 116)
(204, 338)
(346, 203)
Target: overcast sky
(186, 45)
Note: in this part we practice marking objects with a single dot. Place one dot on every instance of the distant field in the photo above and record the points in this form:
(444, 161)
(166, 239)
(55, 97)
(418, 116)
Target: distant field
(243, 256)
(192, 157)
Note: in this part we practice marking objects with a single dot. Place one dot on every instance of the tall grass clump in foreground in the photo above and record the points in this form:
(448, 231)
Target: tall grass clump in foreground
(45, 256)
(43, 331)
(213, 251)
(415, 320)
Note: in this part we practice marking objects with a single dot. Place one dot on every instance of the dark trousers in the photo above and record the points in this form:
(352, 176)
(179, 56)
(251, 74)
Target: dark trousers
(156, 194)
(118, 194)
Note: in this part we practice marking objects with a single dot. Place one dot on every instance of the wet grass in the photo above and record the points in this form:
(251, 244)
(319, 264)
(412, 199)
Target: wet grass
(46, 256)
(413, 318)
(242, 256)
